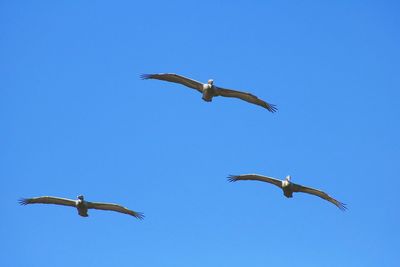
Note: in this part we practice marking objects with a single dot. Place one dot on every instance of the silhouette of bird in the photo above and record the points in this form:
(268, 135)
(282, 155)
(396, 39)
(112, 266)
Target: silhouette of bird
(81, 205)
(288, 187)
(209, 90)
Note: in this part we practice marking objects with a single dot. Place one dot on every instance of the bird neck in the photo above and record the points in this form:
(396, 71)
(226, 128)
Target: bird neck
(285, 182)
(207, 86)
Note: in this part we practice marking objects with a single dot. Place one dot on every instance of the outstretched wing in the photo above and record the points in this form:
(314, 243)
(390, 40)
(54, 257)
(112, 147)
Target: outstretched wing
(175, 78)
(246, 97)
(234, 178)
(319, 193)
(114, 207)
(47, 200)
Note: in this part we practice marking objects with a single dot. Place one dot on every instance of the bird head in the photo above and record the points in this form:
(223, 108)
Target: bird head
(80, 197)
(210, 81)
(288, 178)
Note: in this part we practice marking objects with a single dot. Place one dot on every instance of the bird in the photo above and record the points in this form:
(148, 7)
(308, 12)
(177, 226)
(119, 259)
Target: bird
(81, 205)
(209, 90)
(288, 187)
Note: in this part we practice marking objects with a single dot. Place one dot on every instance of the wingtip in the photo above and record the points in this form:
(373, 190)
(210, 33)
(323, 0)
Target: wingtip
(342, 206)
(232, 178)
(145, 76)
(272, 108)
(23, 201)
(139, 215)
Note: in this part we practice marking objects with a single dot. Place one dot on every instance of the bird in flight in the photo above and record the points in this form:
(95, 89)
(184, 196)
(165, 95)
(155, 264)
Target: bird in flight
(81, 205)
(288, 187)
(209, 90)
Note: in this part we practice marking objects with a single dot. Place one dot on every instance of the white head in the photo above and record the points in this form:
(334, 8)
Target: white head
(288, 178)
(210, 81)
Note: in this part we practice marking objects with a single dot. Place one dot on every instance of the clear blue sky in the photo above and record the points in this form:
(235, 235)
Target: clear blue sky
(76, 119)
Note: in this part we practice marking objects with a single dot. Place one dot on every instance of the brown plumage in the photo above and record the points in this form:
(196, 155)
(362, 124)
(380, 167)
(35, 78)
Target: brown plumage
(209, 90)
(81, 205)
(288, 187)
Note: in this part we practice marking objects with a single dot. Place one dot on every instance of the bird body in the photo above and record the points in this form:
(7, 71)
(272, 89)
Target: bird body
(81, 205)
(209, 90)
(288, 187)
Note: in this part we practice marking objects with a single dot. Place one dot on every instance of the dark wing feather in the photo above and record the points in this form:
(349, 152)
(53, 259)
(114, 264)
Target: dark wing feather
(114, 207)
(47, 200)
(319, 193)
(246, 97)
(256, 177)
(175, 78)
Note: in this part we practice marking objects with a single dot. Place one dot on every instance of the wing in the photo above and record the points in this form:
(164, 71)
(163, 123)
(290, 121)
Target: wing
(47, 200)
(234, 178)
(175, 78)
(319, 193)
(114, 207)
(246, 97)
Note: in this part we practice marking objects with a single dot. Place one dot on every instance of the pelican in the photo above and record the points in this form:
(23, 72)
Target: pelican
(288, 187)
(209, 90)
(81, 205)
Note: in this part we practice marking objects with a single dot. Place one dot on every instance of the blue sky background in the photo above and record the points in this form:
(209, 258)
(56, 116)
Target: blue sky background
(76, 119)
